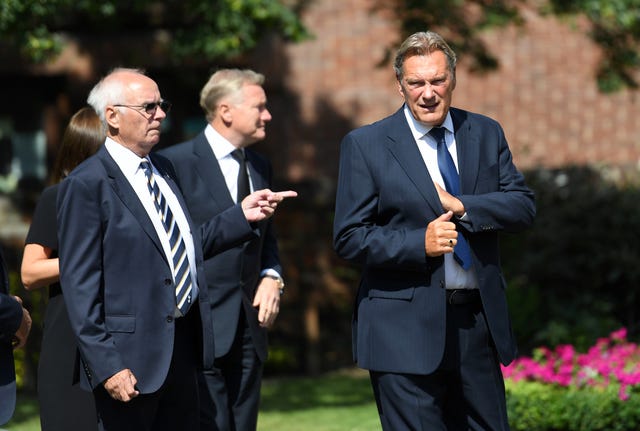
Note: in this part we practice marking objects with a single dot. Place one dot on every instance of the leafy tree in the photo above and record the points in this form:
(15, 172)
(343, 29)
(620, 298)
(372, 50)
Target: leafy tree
(200, 29)
(195, 28)
(614, 27)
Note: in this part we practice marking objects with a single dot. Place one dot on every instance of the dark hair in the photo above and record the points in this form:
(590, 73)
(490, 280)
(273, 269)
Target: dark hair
(82, 138)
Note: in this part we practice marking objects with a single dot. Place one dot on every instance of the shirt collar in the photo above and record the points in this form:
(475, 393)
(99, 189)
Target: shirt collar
(220, 146)
(127, 160)
(418, 130)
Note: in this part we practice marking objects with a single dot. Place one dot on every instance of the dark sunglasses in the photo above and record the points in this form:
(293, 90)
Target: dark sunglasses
(150, 108)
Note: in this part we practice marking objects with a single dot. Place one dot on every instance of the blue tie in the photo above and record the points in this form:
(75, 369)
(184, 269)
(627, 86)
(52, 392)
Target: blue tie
(184, 289)
(461, 252)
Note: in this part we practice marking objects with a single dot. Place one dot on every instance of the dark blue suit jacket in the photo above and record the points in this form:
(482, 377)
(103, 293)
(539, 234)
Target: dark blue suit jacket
(232, 276)
(116, 280)
(384, 202)
(10, 319)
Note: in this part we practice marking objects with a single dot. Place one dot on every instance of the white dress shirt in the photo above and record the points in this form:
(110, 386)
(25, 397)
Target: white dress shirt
(129, 164)
(222, 150)
(455, 276)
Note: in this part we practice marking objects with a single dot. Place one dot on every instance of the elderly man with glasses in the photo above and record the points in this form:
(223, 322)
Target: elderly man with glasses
(131, 265)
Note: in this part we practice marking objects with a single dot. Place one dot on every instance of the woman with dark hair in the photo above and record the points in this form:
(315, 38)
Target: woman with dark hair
(63, 405)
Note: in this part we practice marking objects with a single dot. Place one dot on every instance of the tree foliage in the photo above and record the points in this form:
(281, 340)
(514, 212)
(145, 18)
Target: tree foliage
(614, 27)
(195, 28)
(226, 28)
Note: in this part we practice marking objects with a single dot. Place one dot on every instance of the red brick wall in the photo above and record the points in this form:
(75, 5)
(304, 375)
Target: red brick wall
(544, 94)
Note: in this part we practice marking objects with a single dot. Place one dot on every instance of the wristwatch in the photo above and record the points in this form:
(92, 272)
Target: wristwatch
(278, 280)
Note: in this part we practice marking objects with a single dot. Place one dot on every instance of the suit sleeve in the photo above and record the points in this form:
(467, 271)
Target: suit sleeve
(502, 201)
(225, 230)
(81, 276)
(270, 258)
(360, 233)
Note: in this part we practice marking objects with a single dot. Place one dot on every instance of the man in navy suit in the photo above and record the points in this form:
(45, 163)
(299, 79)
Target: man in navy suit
(15, 324)
(421, 198)
(245, 282)
(131, 265)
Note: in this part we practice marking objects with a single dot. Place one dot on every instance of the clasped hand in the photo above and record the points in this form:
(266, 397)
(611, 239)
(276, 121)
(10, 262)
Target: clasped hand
(20, 337)
(441, 235)
(122, 386)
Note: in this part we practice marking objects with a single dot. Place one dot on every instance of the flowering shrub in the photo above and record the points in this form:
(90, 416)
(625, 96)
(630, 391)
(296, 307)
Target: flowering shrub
(562, 389)
(612, 361)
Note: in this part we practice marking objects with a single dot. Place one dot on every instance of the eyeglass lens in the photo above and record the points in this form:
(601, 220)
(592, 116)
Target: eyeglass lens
(150, 108)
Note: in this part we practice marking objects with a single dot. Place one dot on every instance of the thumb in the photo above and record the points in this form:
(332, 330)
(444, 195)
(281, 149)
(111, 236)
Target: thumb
(446, 216)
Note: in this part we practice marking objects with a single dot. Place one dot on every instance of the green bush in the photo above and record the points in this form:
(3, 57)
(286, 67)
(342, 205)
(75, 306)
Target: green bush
(575, 273)
(535, 406)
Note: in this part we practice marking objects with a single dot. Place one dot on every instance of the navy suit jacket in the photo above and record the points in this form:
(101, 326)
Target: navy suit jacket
(385, 200)
(116, 281)
(10, 319)
(232, 276)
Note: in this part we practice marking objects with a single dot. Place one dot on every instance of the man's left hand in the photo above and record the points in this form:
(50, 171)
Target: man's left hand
(267, 300)
(450, 202)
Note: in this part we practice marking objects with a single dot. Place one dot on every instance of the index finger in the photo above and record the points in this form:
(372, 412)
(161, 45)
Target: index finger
(287, 194)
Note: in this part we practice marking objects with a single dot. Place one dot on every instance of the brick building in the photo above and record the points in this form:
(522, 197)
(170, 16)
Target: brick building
(544, 94)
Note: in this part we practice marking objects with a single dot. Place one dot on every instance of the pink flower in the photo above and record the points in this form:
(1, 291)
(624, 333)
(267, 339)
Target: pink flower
(611, 361)
(619, 335)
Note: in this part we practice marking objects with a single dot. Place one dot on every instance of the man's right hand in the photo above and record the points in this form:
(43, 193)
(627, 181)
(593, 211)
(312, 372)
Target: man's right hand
(441, 236)
(121, 386)
(261, 204)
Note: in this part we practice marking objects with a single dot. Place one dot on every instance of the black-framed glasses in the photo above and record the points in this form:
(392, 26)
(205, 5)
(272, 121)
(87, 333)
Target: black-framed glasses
(150, 108)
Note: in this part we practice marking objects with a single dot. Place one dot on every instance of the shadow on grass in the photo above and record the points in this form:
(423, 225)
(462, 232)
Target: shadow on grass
(340, 389)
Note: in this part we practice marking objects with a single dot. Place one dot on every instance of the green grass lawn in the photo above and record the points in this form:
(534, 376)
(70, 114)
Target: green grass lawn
(340, 401)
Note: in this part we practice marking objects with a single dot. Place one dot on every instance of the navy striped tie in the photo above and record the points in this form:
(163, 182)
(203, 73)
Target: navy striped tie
(181, 271)
(461, 252)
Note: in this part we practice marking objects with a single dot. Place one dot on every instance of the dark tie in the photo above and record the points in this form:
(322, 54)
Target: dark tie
(184, 288)
(243, 179)
(451, 179)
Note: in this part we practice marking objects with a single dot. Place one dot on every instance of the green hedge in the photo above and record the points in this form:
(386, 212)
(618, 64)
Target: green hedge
(535, 406)
(576, 274)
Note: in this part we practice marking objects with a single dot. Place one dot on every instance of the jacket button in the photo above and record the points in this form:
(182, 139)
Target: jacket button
(169, 319)
(167, 281)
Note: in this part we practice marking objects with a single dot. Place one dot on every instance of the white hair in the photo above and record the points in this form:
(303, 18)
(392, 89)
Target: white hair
(108, 92)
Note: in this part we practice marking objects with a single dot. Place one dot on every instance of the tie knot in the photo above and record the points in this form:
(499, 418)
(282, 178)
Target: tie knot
(238, 154)
(437, 133)
(145, 165)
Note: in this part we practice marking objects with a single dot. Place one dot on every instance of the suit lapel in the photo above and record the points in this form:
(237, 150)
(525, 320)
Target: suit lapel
(402, 145)
(208, 170)
(128, 196)
(468, 149)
